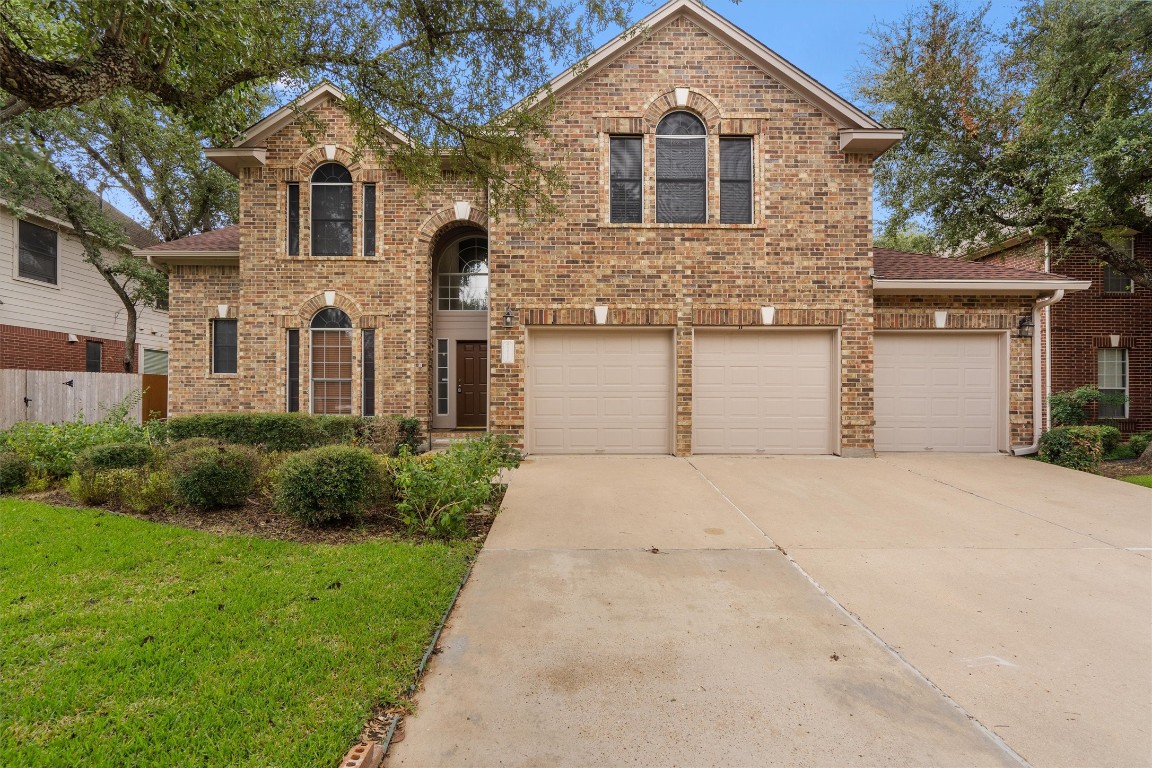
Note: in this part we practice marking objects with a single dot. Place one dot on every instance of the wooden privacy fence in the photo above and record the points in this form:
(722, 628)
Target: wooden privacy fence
(55, 396)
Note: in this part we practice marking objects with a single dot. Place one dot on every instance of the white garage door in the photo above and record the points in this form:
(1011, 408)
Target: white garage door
(762, 392)
(600, 391)
(937, 392)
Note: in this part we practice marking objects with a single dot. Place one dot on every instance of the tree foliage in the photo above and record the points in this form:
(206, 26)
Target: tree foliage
(1044, 128)
(452, 76)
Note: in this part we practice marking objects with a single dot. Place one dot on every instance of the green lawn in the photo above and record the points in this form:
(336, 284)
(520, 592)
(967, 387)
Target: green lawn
(126, 643)
(1144, 480)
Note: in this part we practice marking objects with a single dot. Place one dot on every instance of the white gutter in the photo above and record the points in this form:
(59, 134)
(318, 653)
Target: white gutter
(1038, 393)
(887, 285)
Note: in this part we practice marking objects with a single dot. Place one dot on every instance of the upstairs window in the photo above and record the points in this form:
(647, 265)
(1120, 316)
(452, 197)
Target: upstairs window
(369, 220)
(293, 219)
(462, 276)
(627, 172)
(736, 180)
(37, 253)
(331, 211)
(1116, 281)
(681, 169)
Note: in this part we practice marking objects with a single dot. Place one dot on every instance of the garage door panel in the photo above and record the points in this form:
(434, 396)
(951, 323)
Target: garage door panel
(937, 392)
(762, 392)
(604, 392)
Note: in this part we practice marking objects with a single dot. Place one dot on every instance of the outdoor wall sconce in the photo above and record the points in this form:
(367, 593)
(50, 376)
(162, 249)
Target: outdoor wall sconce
(509, 317)
(941, 318)
(767, 315)
(600, 312)
(1025, 327)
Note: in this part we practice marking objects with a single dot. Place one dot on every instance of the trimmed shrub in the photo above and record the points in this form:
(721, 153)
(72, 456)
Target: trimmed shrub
(1139, 442)
(336, 482)
(14, 471)
(1072, 408)
(114, 456)
(410, 435)
(126, 488)
(180, 446)
(209, 478)
(290, 431)
(1073, 447)
(436, 492)
(1109, 437)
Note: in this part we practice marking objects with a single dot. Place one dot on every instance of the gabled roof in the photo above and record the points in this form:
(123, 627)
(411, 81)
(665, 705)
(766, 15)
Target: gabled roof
(219, 247)
(910, 273)
(840, 109)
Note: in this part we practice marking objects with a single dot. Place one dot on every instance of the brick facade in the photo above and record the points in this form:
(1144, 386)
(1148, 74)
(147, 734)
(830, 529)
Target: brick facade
(39, 350)
(1085, 321)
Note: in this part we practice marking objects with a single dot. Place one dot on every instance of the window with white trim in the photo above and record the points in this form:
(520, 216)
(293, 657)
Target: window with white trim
(1112, 381)
(1116, 281)
(462, 275)
(38, 254)
(626, 161)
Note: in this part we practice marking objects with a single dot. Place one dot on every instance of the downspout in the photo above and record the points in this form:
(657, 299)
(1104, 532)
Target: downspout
(1037, 392)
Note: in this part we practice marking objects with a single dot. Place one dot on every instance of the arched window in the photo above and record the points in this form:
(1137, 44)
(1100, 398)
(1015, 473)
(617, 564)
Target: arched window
(331, 362)
(462, 275)
(331, 211)
(681, 169)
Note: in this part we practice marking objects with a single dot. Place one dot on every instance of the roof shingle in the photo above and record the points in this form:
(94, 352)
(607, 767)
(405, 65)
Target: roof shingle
(218, 240)
(898, 265)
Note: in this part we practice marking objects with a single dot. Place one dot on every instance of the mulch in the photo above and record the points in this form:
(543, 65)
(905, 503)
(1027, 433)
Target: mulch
(261, 520)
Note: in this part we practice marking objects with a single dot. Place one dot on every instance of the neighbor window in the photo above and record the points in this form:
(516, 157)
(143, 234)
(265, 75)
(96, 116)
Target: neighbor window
(93, 356)
(1112, 381)
(223, 346)
(736, 180)
(627, 172)
(681, 169)
(331, 211)
(1116, 281)
(331, 362)
(462, 275)
(293, 219)
(369, 220)
(37, 253)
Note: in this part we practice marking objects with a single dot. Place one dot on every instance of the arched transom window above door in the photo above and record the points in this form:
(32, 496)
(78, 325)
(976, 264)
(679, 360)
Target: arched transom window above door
(462, 275)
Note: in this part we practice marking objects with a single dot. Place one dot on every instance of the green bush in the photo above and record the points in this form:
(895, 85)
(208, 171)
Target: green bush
(114, 456)
(209, 478)
(191, 443)
(436, 492)
(52, 448)
(292, 431)
(135, 489)
(14, 471)
(336, 482)
(410, 435)
(1072, 408)
(1073, 447)
(1109, 437)
(1139, 442)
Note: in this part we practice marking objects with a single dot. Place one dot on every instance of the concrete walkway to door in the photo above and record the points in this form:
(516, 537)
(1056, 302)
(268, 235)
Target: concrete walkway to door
(987, 595)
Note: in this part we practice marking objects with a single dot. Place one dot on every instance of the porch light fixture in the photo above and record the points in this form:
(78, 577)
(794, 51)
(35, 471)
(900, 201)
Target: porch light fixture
(1025, 327)
(509, 317)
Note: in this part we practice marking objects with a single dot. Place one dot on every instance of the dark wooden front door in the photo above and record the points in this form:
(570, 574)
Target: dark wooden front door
(471, 384)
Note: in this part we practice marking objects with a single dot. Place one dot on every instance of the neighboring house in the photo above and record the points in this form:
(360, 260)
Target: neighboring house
(1101, 337)
(710, 285)
(58, 313)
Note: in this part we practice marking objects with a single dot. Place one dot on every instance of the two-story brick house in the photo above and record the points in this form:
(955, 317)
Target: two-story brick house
(1100, 337)
(710, 285)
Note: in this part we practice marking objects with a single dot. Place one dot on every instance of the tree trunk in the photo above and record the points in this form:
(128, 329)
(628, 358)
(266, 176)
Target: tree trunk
(129, 336)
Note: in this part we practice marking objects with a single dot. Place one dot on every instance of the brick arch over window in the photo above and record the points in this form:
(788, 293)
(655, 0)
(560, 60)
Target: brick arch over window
(318, 302)
(443, 223)
(316, 157)
(704, 106)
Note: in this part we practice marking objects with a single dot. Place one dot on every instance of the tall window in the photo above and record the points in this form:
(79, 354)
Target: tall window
(1112, 381)
(369, 220)
(37, 253)
(627, 172)
(368, 372)
(462, 275)
(293, 370)
(331, 362)
(93, 356)
(331, 211)
(681, 169)
(293, 219)
(1116, 281)
(223, 346)
(736, 180)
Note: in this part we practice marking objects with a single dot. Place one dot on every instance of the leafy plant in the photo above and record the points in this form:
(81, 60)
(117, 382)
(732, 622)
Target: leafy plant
(209, 478)
(331, 483)
(410, 434)
(1109, 437)
(291, 431)
(1072, 408)
(14, 471)
(114, 456)
(1074, 447)
(1139, 442)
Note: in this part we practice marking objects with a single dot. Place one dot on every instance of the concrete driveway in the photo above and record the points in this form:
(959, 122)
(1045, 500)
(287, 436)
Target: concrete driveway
(908, 610)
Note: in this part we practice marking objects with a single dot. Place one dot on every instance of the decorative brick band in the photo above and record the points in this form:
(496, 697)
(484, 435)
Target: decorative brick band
(1122, 341)
(586, 316)
(202, 270)
(744, 316)
(741, 126)
(912, 321)
(372, 321)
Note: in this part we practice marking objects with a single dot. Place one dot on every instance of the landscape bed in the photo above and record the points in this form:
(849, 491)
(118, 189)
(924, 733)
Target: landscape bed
(129, 642)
